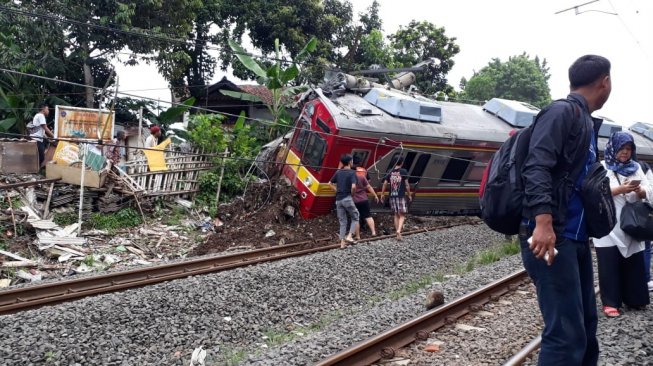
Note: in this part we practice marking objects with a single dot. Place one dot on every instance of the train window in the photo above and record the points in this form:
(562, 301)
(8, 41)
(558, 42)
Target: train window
(360, 155)
(418, 170)
(408, 160)
(314, 153)
(393, 161)
(302, 137)
(455, 170)
(323, 125)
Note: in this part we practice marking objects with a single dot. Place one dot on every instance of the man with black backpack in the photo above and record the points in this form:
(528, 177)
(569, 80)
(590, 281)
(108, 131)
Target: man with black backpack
(554, 233)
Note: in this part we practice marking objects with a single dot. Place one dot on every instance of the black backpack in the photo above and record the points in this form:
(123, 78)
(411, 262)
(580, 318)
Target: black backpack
(502, 188)
(598, 202)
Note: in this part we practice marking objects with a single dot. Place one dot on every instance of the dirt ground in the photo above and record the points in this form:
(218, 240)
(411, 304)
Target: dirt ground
(261, 220)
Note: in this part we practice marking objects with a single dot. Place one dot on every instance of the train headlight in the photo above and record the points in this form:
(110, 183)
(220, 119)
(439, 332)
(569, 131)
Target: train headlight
(303, 195)
(310, 109)
(308, 181)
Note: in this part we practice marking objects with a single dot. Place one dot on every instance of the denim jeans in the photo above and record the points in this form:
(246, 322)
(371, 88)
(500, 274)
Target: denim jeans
(346, 207)
(565, 294)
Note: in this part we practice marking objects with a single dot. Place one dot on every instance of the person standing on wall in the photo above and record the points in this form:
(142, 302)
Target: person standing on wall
(38, 130)
(399, 188)
(555, 219)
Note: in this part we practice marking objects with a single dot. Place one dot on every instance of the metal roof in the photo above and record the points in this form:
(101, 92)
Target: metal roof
(517, 114)
(461, 121)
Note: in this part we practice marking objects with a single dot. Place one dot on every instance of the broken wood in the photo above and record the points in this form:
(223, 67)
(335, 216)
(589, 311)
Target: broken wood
(18, 264)
(46, 209)
(27, 184)
(217, 194)
(13, 218)
(14, 256)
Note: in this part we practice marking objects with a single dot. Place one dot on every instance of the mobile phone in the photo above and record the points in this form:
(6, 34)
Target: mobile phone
(546, 255)
(634, 182)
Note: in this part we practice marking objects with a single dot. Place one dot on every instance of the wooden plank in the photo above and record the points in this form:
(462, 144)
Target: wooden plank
(14, 256)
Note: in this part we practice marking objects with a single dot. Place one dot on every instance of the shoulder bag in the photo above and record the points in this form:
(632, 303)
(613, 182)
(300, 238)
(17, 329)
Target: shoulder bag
(637, 219)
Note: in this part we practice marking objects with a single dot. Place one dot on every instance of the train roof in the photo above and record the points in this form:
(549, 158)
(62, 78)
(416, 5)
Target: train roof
(463, 121)
(377, 113)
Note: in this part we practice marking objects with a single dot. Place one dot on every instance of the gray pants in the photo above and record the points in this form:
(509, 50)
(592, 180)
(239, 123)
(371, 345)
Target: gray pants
(346, 207)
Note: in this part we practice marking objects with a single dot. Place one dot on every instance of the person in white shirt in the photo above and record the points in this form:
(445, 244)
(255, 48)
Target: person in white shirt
(153, 139)
(619, 256)
(38, 129)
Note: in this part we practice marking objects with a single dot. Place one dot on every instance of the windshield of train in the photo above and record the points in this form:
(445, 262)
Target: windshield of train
(314, 153)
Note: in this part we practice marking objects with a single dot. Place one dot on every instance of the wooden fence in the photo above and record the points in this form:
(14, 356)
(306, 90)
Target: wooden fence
(181, 178)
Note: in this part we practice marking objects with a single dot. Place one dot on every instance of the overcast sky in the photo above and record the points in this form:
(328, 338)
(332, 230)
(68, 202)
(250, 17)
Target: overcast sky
(502, 28)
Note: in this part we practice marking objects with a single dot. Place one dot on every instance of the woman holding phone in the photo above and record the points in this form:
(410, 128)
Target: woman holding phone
(620, 257)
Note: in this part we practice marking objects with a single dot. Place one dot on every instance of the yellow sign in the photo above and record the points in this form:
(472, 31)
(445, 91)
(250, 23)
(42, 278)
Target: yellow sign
(82, 123)
(156, 159)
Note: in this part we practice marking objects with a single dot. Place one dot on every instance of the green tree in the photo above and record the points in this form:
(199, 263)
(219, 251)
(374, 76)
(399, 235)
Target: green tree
(419, 41)
(277, 79)
(370, 19)
(520, 78)
(87, 49)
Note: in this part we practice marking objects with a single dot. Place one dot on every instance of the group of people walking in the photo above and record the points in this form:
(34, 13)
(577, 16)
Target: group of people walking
(351, 183)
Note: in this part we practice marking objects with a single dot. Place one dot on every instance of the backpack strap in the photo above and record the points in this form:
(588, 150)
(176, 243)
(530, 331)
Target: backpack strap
(578, 163)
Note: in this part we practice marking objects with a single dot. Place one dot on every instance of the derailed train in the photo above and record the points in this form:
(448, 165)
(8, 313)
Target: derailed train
(445, 145)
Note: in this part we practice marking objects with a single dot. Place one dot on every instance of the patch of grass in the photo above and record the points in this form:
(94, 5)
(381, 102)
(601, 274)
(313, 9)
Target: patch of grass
(111, 222)
(465, 267)
(488, 257)
(3, 245)
(509, 248)
(49, 356)
(275, 338)
(412, 287)
(89, 260)
(175, 216)
(233, 357)
(65, 218)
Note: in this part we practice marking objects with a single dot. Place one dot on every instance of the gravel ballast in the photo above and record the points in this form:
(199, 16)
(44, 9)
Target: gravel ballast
(291, 312)
(234, 310)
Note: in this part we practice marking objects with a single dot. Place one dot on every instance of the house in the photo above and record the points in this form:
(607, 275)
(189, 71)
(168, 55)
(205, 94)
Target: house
(220, 103)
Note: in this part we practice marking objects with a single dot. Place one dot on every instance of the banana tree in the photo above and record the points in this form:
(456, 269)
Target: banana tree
(277, 79)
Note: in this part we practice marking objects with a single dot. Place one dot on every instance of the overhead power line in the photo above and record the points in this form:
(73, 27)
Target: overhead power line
(266, 122)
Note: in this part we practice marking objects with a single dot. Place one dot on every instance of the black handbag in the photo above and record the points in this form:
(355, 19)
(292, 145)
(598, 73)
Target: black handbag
(637, 219)
(600, 217)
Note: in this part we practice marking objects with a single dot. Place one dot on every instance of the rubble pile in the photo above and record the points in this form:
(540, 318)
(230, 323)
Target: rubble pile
(268, 215)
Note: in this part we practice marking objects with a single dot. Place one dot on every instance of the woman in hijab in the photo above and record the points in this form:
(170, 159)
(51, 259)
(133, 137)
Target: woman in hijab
(620, 257)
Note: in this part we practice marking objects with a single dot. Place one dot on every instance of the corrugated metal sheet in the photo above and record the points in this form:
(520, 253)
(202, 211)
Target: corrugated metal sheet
(18, 157)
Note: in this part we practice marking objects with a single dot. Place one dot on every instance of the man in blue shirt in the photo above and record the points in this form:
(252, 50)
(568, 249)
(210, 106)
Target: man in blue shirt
(555, 217)
(344, 183)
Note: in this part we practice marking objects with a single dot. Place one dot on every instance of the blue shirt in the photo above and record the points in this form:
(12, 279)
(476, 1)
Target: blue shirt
(575, 227)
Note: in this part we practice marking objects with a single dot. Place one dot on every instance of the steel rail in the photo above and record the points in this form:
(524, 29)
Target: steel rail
(525, 353)
(31, 297)
(385, 344)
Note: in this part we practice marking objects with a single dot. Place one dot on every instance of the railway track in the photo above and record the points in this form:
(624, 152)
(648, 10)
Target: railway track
(31, 297)
(384, 345)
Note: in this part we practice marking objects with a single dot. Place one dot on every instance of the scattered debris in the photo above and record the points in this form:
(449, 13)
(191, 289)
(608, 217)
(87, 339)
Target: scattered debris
(198, 356)
(466, 327)
(433, 347)
(434, 299)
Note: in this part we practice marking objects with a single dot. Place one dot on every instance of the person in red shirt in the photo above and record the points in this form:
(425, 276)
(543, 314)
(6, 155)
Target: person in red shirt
(363, 187)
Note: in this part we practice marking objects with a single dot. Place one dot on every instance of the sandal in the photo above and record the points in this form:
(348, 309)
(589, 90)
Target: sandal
(611, 312)
(350, 241)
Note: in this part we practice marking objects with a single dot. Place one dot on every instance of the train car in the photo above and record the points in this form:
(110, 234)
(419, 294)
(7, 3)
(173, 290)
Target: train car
(445, 145)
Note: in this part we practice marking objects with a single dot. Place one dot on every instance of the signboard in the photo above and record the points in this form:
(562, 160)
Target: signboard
(82, 123)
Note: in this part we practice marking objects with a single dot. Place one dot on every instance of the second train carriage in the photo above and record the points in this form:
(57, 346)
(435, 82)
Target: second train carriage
(445, 145)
